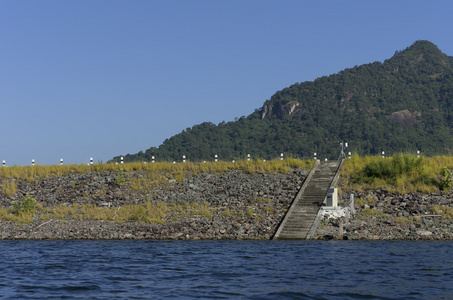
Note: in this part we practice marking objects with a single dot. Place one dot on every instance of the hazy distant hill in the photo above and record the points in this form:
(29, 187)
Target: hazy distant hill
(402, 105)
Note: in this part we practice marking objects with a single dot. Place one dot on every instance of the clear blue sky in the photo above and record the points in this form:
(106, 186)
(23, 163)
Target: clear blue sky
(100, 78)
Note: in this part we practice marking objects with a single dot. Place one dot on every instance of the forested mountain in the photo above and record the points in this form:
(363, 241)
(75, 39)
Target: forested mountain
(404, 104)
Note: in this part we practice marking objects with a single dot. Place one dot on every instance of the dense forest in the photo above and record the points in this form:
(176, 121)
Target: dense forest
(404, 104)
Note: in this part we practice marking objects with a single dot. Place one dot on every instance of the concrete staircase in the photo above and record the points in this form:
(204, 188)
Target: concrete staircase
(300, 218)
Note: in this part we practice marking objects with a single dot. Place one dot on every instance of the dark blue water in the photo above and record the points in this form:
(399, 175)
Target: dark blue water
(225, 270)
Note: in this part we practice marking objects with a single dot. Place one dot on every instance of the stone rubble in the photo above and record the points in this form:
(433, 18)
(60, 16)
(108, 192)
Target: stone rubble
(258, 203)
(390, 216)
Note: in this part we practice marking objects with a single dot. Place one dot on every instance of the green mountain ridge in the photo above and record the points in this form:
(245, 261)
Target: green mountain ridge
(404, 104)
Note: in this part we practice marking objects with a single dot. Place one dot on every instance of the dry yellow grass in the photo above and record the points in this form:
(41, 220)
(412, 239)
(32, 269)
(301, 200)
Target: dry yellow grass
(179, 169)
(9, 187)
(140, 213)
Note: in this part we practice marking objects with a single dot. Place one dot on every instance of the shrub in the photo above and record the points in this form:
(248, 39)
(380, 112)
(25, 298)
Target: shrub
(445, 180)
(120, 177)
(27, 204)
(398, 165)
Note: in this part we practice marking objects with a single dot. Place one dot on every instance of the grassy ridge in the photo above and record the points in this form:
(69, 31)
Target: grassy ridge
(31, 173)
(154, 174)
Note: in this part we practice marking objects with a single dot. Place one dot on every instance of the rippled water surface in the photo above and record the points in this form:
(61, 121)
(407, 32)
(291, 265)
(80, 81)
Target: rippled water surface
(226, 270)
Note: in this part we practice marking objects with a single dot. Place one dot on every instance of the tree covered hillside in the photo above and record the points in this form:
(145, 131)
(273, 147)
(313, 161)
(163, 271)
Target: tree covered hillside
(401, 105)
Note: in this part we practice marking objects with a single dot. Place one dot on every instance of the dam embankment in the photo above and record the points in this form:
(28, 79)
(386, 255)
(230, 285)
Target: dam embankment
(229, 205)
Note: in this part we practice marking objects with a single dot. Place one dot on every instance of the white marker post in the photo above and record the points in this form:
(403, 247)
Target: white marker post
(281, 156)
(122, 158)
(418, 153)
(215, 157)
(183, 158)
(61, 161)
(152, 159)
(349, 154)
(351, 204)
(91, 160)
(248, 157)
(315, 155)
(32, 162)
(383, 154)
(4, 164)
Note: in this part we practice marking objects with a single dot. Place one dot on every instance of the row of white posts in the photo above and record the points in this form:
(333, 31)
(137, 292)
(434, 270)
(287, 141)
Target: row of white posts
(383, 153)
(216, 158)
(33, 162)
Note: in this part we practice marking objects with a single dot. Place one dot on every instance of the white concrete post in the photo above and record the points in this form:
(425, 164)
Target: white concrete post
(248, 157)
(418, 153)
(91, 160)
(152, 159)
(383, 154)
(281, 156)
(351, 204)
(183, 158)
(61, 161)
(4, 164)
(332, 198)
(315, 155)
(346, 217)
(32, 162)
(122, 158)
(215, 157)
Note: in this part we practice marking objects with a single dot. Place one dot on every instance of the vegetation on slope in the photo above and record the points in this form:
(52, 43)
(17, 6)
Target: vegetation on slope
(401, 173)
(401, 105)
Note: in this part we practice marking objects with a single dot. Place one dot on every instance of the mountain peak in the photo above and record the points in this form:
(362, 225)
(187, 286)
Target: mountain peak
(423, 44)
(421, 53)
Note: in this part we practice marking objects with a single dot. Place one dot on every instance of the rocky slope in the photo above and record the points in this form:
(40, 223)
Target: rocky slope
(243, 206)
(256, 203)
(381, 215)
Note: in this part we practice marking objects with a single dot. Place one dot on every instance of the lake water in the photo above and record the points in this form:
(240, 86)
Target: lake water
(226, 270)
